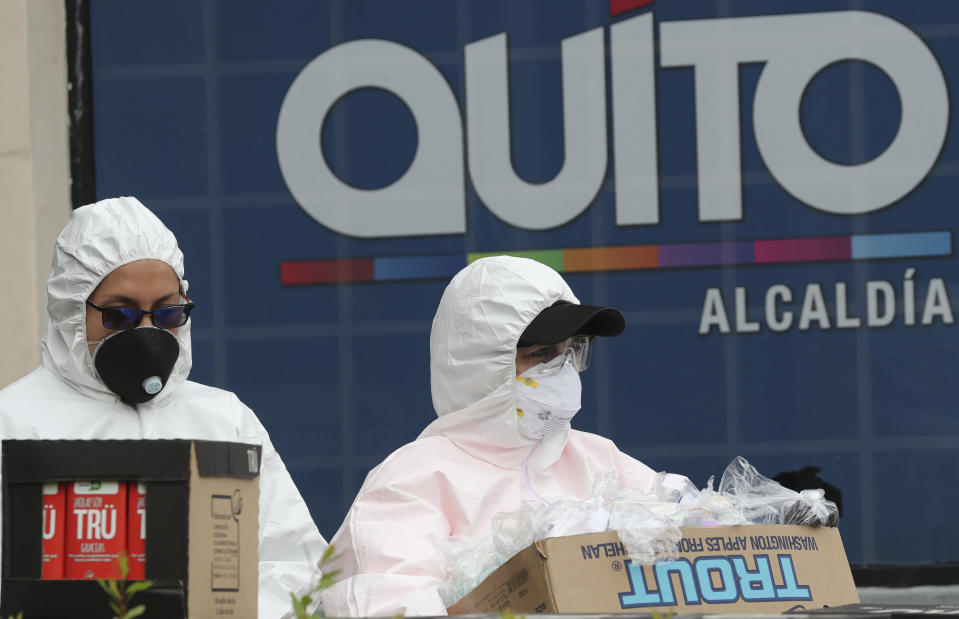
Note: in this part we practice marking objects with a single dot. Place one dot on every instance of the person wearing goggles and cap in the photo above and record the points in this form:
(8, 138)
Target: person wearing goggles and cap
(507, 344)
(115, 361)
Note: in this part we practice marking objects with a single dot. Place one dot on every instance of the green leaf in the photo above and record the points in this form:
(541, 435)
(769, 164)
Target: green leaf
(302, 603)
(136, 611)
(299, 605)
(332, 574)
(124, 562)
(327, 553)
(138, 586)
(114, 589)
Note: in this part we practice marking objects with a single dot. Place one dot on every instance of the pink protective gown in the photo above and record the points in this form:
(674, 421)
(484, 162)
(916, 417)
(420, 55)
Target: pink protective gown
(473, 461)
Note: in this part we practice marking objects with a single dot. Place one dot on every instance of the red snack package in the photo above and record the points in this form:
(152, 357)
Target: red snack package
(54, 529)
(96, 529)
(137, 529)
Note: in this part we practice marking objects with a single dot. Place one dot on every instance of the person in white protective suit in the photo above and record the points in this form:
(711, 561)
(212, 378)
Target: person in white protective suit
(118, 308)
(507, 344)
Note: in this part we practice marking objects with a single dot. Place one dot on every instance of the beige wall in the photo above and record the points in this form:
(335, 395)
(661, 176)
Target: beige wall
(34, 171)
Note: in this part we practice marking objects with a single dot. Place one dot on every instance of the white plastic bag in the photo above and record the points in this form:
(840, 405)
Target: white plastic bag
(647, 521)
(467, 562)
(764, 501)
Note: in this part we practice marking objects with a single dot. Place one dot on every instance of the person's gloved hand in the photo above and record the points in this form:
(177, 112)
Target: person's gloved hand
(811, 509)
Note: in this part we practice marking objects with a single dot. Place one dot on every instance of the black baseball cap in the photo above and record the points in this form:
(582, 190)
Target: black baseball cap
(564, 319)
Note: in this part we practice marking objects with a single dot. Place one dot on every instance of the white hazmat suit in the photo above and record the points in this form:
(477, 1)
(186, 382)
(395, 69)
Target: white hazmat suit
(65, 399)
(472, 461)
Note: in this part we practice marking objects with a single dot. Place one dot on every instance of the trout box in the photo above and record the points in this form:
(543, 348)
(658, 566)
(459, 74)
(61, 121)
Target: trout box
(200, 548)
(767, 569)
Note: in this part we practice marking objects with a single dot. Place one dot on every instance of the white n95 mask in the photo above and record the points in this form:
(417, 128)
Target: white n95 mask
(546, 404)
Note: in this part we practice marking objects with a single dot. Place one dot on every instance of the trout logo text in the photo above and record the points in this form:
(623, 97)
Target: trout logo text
(712, 580)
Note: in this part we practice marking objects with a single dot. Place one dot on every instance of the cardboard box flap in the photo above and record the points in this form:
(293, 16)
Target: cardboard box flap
(223, 563)
(542, 584)
(29, 461)
(525, 578)
(218, 459)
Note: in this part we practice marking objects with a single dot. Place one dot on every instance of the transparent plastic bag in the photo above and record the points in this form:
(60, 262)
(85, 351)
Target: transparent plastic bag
(716, 509)
(811, 509)
(646, 528)
(515, 530)
(574, 518)
(467, 562)
(764, 501)
(647, 521)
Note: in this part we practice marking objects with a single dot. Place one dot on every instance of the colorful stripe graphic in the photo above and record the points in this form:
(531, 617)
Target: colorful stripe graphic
(630, 258)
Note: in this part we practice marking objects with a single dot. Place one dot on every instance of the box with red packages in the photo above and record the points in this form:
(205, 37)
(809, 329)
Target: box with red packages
(199, 494)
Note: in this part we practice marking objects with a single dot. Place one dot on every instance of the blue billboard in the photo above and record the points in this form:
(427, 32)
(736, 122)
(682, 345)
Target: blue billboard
(765, 191)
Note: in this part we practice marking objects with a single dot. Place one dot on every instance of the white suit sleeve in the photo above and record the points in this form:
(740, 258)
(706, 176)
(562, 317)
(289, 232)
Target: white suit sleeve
(290, 544)
(634, 474)
(390, 564)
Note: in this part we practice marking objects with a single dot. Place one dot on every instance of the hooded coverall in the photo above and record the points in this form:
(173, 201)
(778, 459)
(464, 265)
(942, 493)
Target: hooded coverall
(472, 461)
(65, 399)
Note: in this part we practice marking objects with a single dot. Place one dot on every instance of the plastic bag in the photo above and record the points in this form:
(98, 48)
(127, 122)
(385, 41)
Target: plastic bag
(717, 509)
(764, 501)
(574, 518)
(514, 531)
(646, 528)
(467, 562)
(647, 521)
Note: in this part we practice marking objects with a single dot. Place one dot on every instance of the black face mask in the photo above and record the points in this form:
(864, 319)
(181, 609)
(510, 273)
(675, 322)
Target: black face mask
(136, 363)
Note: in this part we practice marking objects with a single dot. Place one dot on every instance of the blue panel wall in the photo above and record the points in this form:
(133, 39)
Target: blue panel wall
(187, 96)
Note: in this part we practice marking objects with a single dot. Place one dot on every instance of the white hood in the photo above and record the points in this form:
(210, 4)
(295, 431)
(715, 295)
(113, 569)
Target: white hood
(483, 312)
(99, 238)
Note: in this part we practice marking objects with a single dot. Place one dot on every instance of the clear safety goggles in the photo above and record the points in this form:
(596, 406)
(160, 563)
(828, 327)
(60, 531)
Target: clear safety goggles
(544, 360)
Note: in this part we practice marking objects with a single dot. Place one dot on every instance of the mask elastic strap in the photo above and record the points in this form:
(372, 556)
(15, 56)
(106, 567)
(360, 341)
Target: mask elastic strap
(527, 486)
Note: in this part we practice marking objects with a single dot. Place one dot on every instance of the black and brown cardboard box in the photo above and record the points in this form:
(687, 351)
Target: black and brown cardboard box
(202, 501)
(736, 569)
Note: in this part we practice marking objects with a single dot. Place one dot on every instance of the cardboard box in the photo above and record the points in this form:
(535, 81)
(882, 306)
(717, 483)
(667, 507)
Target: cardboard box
(202, 498)
(742, 569)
